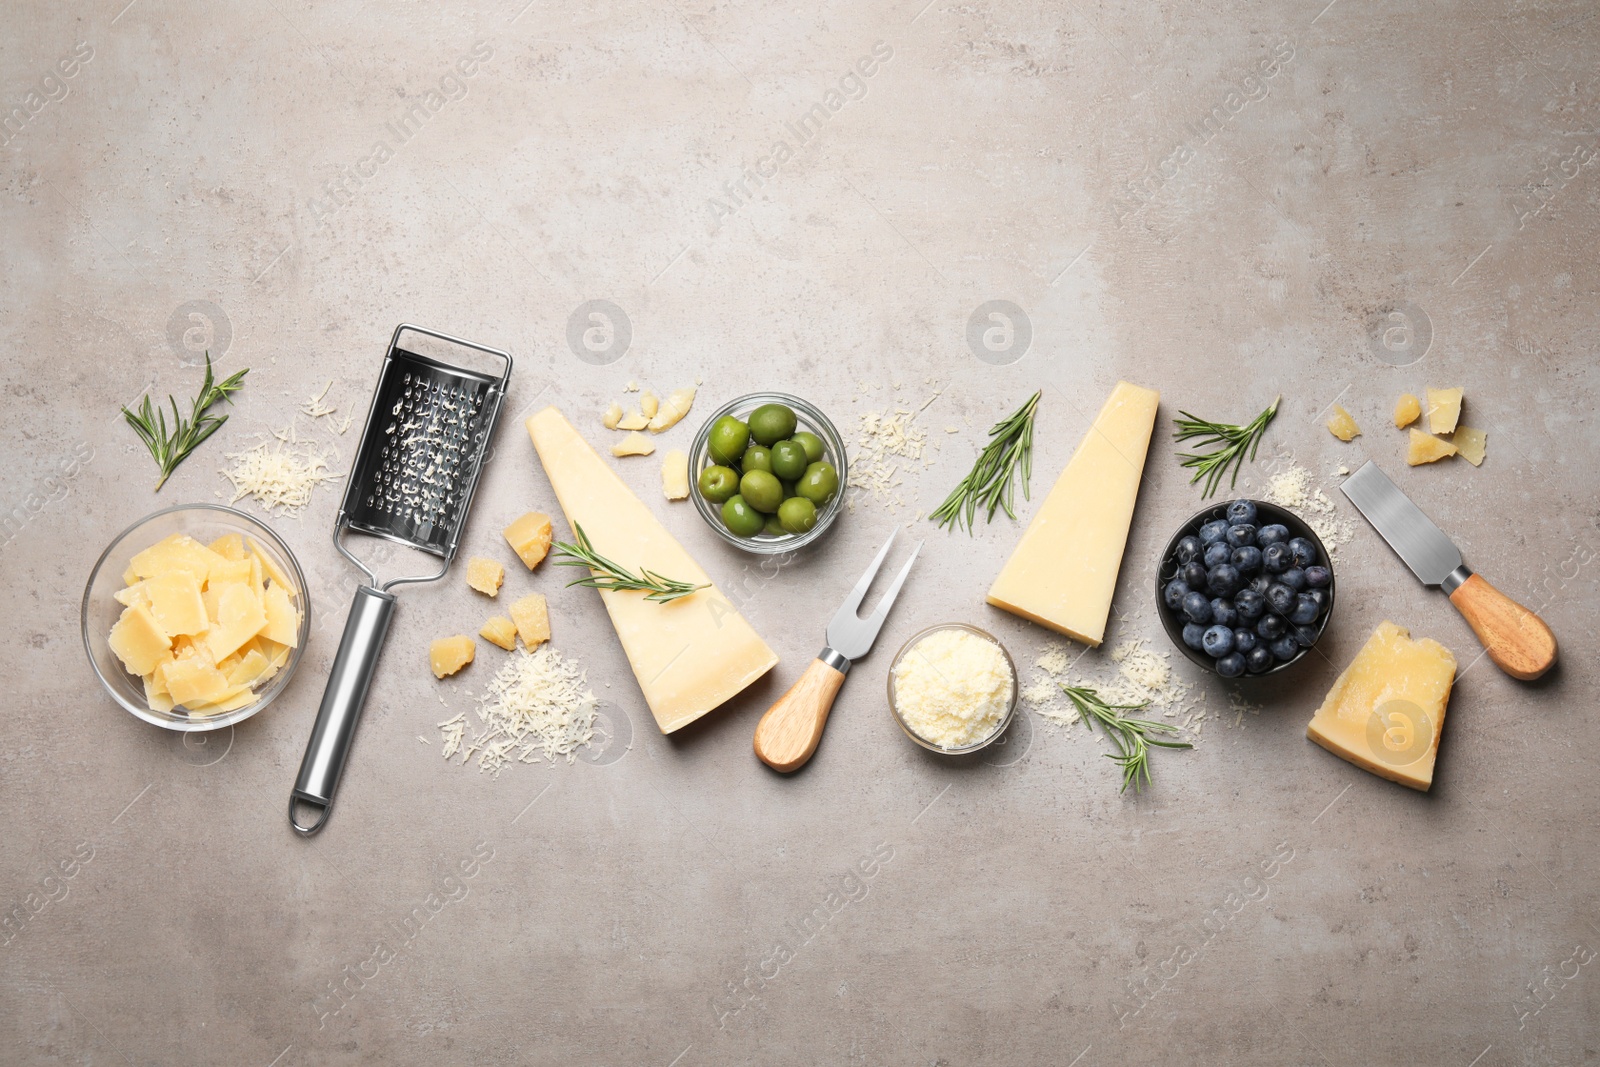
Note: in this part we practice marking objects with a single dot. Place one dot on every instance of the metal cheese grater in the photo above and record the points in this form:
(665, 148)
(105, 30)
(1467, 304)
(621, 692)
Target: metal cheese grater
(424, 444)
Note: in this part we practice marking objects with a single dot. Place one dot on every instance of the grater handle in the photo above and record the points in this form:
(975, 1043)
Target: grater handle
(342, 701)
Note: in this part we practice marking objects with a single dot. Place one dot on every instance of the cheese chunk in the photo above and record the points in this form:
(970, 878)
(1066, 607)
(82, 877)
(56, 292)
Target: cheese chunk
(635, 444)
(1406, 411)
(175, 603)
(177, 552)
(1064, 570)
(1472, 444)
(675, 476)
(1343, 425)
(689, 655)
(1385, 713)
(191, 680)
(529, 538)
(531, 616)
(1444, 408)
(228, 546)
(500, 630)
(672, 411)
(240, 617)
(1426, 448)
(485, 575)
(138, 641)
(449, 654)
(283, 621)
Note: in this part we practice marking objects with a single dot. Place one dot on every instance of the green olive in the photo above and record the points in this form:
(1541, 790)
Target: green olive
(773, 526)
(789, 460)
(741, 518)
(771, 422)
(818, 484)
(797, 514)
(717, 484)
(756, 458)
(761, 490)
(811, 443)
(727, 441)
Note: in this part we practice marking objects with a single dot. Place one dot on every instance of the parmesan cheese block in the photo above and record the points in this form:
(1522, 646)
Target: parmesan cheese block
(689, 655)
(1064, 570)
(1385, 713)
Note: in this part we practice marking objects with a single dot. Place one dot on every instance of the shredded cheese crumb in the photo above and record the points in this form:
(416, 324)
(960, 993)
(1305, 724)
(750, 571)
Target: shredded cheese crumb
(1292, 488)
(314, 406)
(886, 439)
(281, 479)
(537, 705)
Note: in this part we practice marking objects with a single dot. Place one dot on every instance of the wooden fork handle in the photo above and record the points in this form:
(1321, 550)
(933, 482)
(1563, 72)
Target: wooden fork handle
(1515, 638)
(788, 733)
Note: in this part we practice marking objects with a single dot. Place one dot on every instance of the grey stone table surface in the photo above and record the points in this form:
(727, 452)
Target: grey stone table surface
(1336, 202)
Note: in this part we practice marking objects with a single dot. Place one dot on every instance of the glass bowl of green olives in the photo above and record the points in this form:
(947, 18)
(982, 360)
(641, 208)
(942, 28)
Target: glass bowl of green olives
(769, 472)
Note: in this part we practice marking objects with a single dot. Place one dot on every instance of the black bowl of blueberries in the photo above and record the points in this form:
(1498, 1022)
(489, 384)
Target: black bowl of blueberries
(1245, 588)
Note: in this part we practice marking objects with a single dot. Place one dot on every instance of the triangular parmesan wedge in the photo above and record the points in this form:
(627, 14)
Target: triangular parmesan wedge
(1064, 570)
(689, 655)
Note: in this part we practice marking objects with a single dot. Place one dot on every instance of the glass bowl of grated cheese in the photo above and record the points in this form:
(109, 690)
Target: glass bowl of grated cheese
(216, 539)
(953, 688)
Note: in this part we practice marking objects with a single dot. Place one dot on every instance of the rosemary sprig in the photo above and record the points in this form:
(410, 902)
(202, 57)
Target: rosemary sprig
(991, 484)
(1234, 442)
(1130, 737)
(170, 448)
(614, 575)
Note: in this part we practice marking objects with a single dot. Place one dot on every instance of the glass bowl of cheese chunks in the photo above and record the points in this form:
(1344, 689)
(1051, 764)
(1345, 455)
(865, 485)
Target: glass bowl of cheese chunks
(195, 617)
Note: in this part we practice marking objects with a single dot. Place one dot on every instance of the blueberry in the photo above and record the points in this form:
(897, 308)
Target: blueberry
(1188, 549)
(1247, 559)
(1217, 641)
(1321, 597)
(1215, 530)
(1280, 598)
(1231, 665)
(1272, 534)
(1239, 536)
(1277, 557)
(1249, 604)
(1285, 648)
(1223, 580)
(1242, 512)
(1294, 578)
(1244, 641)
(1261, 583)
(1305, 553)
(1318, 577)
(1223, 611)
(1193, 575)
(1305, 636)
(1172, 596)
(1217, 552)
(1196, 607)
(1305, 610)
(1259, 659)
(1192, 634)
(1271, 627)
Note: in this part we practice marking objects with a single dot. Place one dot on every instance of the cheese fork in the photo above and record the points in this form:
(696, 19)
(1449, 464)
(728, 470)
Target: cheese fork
(788, 733)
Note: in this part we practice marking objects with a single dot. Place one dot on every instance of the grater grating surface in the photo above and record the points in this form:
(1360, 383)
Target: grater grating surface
(425, 439)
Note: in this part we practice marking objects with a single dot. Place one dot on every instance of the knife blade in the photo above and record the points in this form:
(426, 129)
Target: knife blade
(1516, 639)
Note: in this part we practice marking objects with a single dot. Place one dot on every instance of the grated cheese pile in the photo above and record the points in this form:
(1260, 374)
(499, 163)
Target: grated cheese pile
(278, 476)
(1142, 676)
(888, 440)
(952, 688)
(1292, 488)
(536, 705)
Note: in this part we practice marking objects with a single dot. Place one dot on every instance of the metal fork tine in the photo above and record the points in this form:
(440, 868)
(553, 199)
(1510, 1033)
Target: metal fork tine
(852, 603)
(875, 620)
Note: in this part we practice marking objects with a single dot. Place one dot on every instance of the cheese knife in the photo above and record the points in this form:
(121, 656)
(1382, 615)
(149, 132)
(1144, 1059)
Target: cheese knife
(788, 733)
(1516, 639)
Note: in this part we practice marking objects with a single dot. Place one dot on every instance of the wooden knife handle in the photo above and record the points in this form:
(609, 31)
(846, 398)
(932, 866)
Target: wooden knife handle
(1516, 638)
(788, 733)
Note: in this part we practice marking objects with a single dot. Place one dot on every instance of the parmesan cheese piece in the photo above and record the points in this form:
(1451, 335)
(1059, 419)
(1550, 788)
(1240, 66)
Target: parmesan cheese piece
(689, 655)
(672, 411)
(485, 575)
(449, 654)
(1343, 425)
(1444, 408)
(529, 538)
(1407, 410)
(1064, 569)
(1472, 444)
(635, 444)
(612, 416)
(953, 688)
(1426, 448)
(1385, 712)
(500, 630)
(532, 618)
(634, 420)
(675, 476)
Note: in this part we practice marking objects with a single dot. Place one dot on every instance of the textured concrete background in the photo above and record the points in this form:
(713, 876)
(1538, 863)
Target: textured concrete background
(1159, 207)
